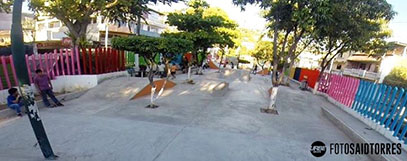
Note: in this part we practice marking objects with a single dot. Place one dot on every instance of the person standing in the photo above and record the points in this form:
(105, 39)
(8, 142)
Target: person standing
(255, 69)
(173, 71)
(44, 86)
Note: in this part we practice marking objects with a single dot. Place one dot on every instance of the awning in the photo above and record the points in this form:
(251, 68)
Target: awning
(363, 59)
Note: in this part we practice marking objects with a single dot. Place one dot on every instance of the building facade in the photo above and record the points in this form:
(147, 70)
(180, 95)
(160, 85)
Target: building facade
(50, 31)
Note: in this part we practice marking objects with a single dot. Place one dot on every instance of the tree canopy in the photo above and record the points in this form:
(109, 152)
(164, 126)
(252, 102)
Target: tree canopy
(336, 26)
(76, 15)
(205, 26)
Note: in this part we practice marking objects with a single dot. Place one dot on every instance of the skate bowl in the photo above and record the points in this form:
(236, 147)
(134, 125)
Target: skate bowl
(220, 89)
(212, 65)
(264, 72)
(147, 89)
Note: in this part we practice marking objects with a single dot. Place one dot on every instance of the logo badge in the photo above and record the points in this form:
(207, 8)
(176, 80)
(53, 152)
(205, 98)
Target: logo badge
(318, 149)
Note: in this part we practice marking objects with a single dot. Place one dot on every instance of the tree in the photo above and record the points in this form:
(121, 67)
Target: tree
(76, 15)
(263, 52)
(5, 6)
(149, 48)
(351, 26)
(290, 21)
(204, 26)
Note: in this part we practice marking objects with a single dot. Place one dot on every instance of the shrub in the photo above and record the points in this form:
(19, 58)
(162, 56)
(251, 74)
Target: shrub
(398, 75)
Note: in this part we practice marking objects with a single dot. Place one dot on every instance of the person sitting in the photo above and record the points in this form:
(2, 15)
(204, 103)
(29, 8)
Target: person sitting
(304, 83)
(14, 101)
(44, 86)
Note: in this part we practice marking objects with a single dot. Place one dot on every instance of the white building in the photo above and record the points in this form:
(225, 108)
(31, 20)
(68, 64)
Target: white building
(50, 30)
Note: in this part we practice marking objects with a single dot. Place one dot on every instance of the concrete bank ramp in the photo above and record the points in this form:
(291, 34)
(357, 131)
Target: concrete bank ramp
(146, 91)
(220, 89)
(121, 88)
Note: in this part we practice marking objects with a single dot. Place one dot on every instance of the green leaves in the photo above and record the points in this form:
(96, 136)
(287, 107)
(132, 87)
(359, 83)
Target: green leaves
(203, 25)
(149, 46)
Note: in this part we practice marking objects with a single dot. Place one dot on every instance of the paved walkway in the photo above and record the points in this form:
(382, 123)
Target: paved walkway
(189, 125)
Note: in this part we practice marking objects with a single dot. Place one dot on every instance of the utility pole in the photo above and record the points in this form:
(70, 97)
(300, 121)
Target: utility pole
(18, 51)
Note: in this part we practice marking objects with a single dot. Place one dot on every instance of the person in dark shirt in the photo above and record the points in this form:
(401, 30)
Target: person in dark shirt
(14, 101)
(43, 84)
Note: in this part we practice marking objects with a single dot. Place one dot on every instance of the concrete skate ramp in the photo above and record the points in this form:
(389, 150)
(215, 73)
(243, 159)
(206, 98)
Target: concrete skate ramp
(147, 89)
(220, 89)
(244, 75)
(264, 72)
(212, 65)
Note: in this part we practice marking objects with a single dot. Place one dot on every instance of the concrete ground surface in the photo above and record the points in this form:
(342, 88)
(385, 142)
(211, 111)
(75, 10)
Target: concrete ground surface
(189, 125)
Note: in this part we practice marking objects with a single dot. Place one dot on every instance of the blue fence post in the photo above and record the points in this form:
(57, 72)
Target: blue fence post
(397, 117)
(382, 104)
(369, 99)
(357, 96)
(382, 92)
(393, 95)
(401, 93)
(373, 100)
(362, 93)
(365, 97)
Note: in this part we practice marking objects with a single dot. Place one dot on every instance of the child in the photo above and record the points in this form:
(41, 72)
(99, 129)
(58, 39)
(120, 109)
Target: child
(173, 70)
(43, 84)
(14, 101)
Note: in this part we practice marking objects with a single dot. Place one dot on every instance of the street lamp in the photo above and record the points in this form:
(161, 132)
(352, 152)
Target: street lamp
(18, 51)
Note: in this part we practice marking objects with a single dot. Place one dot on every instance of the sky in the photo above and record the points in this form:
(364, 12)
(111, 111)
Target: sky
(251, 19)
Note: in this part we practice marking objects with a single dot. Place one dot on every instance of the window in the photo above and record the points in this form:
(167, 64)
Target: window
(339, 67)
(41, 26)
(54, 24)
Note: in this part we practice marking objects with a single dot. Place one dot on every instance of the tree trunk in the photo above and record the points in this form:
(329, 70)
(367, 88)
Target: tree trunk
(138, 26)
(221, 59)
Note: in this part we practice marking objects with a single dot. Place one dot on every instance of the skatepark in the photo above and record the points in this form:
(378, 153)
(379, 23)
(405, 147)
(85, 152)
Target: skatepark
(191, 123)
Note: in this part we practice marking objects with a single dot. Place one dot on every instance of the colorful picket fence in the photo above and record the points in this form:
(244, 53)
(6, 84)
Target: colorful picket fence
(383, 104)
(8, 75)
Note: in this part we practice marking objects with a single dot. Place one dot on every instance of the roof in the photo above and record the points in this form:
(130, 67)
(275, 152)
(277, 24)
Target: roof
(360, 58)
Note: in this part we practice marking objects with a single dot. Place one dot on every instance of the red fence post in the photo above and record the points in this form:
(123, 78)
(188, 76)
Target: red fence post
(40, 59)
(51, 60)
(34, 61)
(1, 84)
(56, 56)
(97, 60)
(72, 61)
(109, 57)
(61, 56)
(90, 60)
(123, 61)
(66, 61)
(46, 65)
(13, 70)
(5, 71)
(78, 62)
(115, 60)
(84, 60)
(27, 63)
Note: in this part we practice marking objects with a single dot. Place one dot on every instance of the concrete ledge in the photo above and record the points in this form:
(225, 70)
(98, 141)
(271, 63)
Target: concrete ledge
(8, 113)
(220, 89)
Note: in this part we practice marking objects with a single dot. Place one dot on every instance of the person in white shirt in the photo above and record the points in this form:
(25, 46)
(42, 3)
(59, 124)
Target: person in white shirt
(161, 68)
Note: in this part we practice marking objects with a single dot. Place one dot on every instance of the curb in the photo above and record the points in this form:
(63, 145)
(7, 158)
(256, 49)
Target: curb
(350, 132)
(353, 134)
(8, 113)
